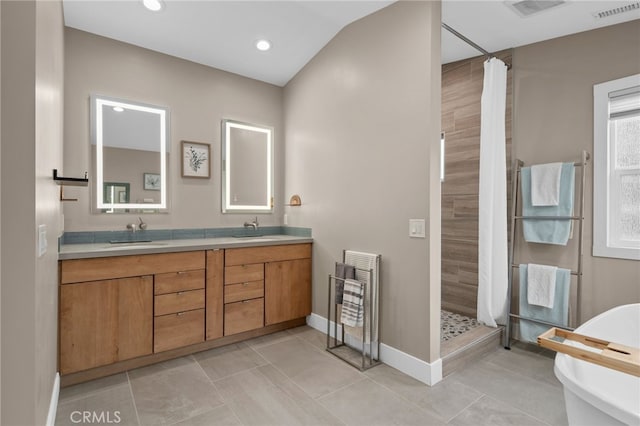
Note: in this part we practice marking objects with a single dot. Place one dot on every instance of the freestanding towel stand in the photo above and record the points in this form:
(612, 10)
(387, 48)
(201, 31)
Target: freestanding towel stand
(518, 164)
(367, 358)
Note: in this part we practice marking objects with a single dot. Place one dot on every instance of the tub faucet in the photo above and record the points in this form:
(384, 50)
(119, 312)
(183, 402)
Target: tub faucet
(253, 224)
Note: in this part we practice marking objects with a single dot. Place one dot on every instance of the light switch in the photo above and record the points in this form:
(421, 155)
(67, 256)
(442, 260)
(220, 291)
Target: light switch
(416, 228)
(42, 240)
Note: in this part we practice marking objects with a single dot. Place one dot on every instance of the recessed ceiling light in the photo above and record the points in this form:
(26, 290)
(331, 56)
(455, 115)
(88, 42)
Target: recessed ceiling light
(263, 45)
(118, 109)
(153, 5)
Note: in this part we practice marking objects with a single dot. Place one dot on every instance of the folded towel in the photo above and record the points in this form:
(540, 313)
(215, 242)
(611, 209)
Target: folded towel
(559, 314)
(541, 285)
(545, 184)
(363, 263)
(352, 312)
(544, 230)
(343, 271)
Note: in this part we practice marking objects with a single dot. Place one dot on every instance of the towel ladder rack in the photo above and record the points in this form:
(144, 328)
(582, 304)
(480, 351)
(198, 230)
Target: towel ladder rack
(574, 273)
(515, 191)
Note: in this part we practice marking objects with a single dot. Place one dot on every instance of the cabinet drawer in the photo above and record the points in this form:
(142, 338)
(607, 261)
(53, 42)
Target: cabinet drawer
(243, 273)
(103, 268)
(181, 301)
(177, 330)
(243, 316)
(243, 291)
(178, 281)
(241, 256)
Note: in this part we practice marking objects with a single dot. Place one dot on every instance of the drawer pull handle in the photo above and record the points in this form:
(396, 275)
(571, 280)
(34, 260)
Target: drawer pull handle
(245, 284)
(182, 272)
(180, 314)
(180, 293)
(246, 301)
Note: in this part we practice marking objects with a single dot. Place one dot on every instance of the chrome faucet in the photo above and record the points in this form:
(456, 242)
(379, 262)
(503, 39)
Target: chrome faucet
(253, 224)
(142, 225)
(132, 227)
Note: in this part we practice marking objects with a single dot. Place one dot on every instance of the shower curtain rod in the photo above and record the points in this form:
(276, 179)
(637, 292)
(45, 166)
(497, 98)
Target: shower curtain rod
(486, 53)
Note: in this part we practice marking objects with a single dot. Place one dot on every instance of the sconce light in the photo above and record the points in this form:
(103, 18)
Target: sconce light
(294, 201)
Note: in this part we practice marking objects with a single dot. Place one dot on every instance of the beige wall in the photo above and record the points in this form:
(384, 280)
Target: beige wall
(553, 121)
(198, 97)
(362, 127)
(32, 73)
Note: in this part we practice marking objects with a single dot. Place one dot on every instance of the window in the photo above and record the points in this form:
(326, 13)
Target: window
(616, 198)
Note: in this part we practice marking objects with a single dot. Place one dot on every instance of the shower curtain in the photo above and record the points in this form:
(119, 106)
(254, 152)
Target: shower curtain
(492, 232)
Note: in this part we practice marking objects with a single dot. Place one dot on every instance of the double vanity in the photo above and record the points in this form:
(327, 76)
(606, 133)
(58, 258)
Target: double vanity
(123, 306)
(126, 306)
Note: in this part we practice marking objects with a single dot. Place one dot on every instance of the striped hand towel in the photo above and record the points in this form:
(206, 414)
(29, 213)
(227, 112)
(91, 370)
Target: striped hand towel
(352, 303)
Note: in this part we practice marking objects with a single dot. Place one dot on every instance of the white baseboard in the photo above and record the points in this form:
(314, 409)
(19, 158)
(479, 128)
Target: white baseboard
(53, 404)
(429, 373)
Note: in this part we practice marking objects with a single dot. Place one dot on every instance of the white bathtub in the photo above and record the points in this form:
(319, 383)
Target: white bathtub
(596, 395)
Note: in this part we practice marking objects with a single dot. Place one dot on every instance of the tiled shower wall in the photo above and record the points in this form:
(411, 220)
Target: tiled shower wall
(461, 92)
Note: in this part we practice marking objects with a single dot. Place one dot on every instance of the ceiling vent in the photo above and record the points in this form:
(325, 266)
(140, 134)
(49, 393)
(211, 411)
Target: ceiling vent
(526, 8)
(617, 10)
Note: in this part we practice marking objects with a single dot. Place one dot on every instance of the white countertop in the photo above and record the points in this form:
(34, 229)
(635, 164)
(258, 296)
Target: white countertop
(83, 251)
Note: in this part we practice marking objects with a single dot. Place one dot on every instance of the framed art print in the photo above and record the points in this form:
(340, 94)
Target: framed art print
(196, 161)
(151, 181)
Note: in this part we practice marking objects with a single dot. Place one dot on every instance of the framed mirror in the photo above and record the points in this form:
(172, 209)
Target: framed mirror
(130, 156)
(247, 168)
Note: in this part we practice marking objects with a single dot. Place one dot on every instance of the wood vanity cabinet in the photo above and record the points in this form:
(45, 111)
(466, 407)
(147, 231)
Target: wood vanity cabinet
(102, 322)
(287, 290)
(107, 307)
(274, 281)
(178, 309)
(243, 297)
(147, 308)
(215, 293)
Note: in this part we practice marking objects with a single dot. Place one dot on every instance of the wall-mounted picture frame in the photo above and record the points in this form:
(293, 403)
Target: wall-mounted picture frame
(196, 160)
(151, 181)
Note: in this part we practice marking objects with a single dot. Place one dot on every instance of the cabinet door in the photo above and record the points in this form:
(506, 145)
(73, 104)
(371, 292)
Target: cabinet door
(287, 290)
(102, 322)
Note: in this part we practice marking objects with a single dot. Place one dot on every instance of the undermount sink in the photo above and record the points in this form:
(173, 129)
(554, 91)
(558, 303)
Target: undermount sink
(255, 238)
(125, 244)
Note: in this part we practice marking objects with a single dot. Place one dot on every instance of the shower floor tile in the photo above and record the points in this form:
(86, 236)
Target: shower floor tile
(453, 325)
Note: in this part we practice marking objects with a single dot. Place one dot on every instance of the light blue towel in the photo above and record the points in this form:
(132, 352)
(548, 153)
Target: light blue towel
(558, 314)
(549, 231)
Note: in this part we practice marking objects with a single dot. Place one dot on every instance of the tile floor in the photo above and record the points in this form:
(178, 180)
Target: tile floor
(453, 325)
(287, 378)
